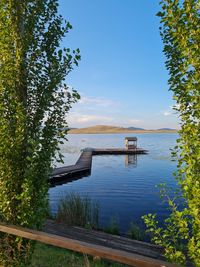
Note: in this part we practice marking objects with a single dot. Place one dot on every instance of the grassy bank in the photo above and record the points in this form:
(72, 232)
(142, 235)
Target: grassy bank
(49, 256)
(74, 210)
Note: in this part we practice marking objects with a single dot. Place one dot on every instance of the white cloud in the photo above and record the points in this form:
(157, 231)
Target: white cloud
(167, 113)
(93, 118)
(171, 110)
(97, 101)
(76, 119)
(90, 111)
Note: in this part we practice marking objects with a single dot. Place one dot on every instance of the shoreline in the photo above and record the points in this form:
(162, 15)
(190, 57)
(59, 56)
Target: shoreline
(121, 132)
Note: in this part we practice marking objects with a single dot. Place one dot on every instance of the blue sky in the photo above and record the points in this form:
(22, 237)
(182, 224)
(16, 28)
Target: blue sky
(121, 77)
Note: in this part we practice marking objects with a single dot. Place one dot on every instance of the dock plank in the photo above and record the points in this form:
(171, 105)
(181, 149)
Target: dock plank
(119, 151)
(105, 239)
(132, 259)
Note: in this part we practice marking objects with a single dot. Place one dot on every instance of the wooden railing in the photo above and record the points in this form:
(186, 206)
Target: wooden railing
(84, 247)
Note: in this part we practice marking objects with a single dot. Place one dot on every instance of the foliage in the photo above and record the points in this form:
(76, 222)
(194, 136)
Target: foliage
(33, 104)
(135, 232)
(74, 210)
(180, 32)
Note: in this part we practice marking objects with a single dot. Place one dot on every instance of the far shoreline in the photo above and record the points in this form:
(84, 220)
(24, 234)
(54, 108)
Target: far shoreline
(108, 129)
(122, 132)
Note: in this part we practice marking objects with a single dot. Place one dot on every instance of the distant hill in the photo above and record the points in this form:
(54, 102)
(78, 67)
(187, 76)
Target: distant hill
(99, 129)
(166, 129)
(105, 129)
(135, 129)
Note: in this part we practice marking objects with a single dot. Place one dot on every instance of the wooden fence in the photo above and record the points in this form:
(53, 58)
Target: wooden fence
(84, 247)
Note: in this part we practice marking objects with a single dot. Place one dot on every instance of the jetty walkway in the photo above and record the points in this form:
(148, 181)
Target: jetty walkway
(83, 165)
(94, 243)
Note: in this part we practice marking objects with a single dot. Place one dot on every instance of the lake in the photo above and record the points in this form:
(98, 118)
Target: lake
(124, 186)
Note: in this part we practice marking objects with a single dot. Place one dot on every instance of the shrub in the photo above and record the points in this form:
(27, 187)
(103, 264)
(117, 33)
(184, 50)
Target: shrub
(180, 31)
(34, 101)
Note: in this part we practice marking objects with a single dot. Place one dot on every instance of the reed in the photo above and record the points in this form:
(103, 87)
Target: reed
(135, 232)
(113, 228)
(80, 211)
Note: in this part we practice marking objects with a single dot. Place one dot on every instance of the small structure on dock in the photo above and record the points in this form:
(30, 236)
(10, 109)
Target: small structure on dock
(131, 142)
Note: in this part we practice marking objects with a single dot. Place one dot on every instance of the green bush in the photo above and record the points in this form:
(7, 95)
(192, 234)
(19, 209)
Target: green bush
(180, 31)
(34, 101)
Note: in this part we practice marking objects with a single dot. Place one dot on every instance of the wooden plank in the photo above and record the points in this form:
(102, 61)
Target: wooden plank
(84, 162)
(86, 248)
(70, 173)
(69, 176)
(119, 151)
(85, 158)
(105, 239)
(62, 170)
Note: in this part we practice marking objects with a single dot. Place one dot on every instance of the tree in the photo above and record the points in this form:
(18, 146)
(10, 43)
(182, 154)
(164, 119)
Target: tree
(180, 33)
(34, 101)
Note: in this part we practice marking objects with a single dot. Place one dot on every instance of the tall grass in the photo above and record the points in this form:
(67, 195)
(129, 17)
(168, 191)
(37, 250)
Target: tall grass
(113, 228)
(49, 256)
(74, 210)
(135, 232)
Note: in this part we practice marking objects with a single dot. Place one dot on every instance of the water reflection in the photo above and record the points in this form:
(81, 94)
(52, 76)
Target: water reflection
(131, 160)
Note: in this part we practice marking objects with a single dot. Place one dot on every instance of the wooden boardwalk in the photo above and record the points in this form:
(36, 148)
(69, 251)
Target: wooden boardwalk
(70, 173)
(118, 249)
(118, 151)
(104, 239)
(83, 165)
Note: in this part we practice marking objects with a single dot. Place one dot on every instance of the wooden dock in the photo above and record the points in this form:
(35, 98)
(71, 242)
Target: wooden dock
(97, 244)
(83, 165)
(104, 239)
(70, 173)
(118, 151)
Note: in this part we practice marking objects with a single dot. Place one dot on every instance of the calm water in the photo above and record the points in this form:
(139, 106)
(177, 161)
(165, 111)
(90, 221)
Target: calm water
(125, 187)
